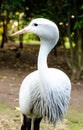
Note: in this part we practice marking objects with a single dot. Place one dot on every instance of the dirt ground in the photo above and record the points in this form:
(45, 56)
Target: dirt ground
(16, 64)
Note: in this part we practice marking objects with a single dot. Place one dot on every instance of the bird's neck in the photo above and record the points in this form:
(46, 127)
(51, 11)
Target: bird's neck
(45, 49)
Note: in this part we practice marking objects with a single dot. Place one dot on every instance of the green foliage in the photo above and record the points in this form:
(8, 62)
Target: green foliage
(78, 24)
(9, 8)
(30, 39)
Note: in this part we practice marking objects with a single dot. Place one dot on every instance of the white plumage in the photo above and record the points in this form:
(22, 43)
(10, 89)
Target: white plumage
(46, 91)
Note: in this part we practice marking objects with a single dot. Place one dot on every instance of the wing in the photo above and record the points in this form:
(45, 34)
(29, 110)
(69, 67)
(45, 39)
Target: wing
(29, 95)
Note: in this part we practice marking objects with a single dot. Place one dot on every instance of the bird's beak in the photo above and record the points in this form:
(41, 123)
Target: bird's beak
(22, 31)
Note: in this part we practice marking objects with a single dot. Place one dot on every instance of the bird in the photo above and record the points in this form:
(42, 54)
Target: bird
(46, 92)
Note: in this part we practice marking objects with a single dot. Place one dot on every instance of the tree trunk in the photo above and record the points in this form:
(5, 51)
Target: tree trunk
(21, 40)
(3, 35)
(20, 36)
(74, 55)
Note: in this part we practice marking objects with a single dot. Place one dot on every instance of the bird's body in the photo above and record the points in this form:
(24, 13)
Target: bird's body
(40, 102)
(46, 91)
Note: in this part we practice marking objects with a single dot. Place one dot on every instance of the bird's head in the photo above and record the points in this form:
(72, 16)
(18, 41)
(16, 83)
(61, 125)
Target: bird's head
(44, 28)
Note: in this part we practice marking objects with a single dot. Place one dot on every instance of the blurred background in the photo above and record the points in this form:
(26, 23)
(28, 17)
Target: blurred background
(67, 14)
(18, 55)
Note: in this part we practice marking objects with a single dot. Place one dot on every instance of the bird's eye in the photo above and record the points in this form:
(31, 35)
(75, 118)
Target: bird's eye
(35, 24)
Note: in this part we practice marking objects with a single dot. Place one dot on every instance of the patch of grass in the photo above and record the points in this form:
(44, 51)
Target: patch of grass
(75, 118)
(60, 126)
(6, 110)
(10, 119)
(2, 107)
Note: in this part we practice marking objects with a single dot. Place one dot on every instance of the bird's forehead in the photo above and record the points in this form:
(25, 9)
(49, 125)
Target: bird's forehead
(42, 21)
